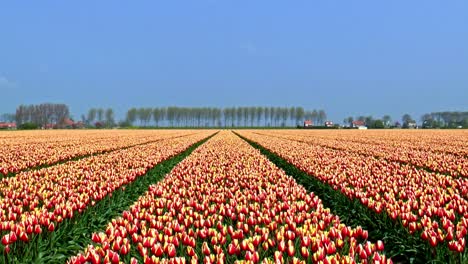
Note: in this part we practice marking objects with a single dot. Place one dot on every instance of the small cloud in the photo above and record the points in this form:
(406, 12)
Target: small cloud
(249, 47)
(5, 83)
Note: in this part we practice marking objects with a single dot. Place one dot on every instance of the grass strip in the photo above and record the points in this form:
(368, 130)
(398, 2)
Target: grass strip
(73, 235)
(400, 245)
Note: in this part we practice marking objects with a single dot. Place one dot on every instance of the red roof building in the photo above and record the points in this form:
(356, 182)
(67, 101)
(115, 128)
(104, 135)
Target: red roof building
(49, 126)
(359, 123)
(78, 124)
(68, 122)
(5, 125)
(308, 123)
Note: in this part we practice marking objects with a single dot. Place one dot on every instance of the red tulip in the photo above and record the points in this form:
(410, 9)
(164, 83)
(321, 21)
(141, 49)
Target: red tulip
(7, 249)
(278, 256)
(249, 256)
(95, 259)
(115, 246)
(23, 237)
(157, 250)
(380, 245)
(304, 252)
(282, 246)
(190, 251)
(461, 241)
(362, 252)
(345, 232)
(37, 229)
(377, 258)
(13, 237)
(232, 249)
(6, 240)
(318, 255)
(205, 249)
(29, 229)
(365, 234)
(291, 248)
(171, 251)
(124, 250)
(175, 241)
(255, 257)
(425, 235)
(433, 241)
(114, 258)
(330, 248)
(96, 239)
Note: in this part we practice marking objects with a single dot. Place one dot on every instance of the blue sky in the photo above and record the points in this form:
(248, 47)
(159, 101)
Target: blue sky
(347, 57)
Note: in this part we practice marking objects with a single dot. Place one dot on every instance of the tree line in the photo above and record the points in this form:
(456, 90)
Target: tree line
(430, 120)
(445, 119)
(253, 116)
(371, 122)
(41, 114)
(385, 122)
(100, 117)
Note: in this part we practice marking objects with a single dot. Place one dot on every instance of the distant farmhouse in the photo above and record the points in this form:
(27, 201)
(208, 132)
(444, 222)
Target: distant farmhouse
(66, 123)
(308, 123)
(359, 124)
(411, 124)
(329, 123)
(6, 125)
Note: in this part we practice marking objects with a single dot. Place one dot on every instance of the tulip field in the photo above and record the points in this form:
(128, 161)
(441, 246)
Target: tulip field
(408, 180)
(30, 149)
(242, 196)
(445, 154)
(37, 201)
(227, 202)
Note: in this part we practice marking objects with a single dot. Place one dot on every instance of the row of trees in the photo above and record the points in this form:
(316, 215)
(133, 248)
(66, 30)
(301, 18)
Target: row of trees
(384, 122)
(231, 116)
(445, 119)
(429, 120)
(371, 122)
(41, 114)
(255, 116)
(100, 116)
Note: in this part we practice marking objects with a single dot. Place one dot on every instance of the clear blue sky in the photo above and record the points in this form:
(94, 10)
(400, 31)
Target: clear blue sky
(347, 57)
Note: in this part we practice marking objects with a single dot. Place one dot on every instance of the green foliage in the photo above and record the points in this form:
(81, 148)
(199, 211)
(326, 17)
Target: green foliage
(125, 124)
(28, 126)
(378, 124)
(447, 119)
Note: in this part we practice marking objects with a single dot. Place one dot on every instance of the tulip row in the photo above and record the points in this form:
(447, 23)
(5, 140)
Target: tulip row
(36, 200)
(429, 205)
(443, 162)
(37, 148)
(227, 202)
